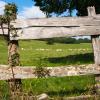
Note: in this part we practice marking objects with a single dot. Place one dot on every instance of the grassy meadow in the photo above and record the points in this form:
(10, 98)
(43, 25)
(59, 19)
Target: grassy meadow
(51, 55)
(53, 86)
(60, 86)
(34, 52)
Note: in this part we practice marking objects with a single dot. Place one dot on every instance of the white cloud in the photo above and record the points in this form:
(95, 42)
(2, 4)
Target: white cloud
(31, 12)
(2, 6)
(27, 12)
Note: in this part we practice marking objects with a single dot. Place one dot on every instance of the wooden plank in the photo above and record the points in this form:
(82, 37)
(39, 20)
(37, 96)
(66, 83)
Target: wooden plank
(63, 21)
(56, 27)
(28, 72)
(50, 32)
(5, 32)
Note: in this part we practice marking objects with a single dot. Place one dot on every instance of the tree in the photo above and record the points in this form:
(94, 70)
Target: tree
(60, 6)
(10, 13)
(81, 6)
(52, 6)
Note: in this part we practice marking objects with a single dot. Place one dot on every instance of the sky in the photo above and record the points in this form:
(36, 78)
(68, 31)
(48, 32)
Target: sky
(21, 3)
(26, 8)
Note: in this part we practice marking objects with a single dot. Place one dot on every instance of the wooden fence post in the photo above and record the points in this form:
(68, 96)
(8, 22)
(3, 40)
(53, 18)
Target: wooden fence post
(95, 39)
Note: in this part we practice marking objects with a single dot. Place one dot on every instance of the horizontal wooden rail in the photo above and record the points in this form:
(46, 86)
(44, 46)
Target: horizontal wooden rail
(28, 72)
(55, 27)
(50, 32)
(62, 21)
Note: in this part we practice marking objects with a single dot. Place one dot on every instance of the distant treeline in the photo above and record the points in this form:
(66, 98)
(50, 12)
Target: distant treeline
(66, 40)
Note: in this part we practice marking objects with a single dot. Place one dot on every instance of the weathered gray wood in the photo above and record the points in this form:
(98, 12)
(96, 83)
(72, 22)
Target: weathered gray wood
(56, 27)
(91, 11)
(63, 21)
(96, 48)
(95, 39)
(26, 72)
(5, 32)
(50, 32)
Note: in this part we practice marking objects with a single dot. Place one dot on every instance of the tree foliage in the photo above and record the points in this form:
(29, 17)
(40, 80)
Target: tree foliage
(81, 6)
(60, 6)
(52, 6)
(10, 13)
(66, 40)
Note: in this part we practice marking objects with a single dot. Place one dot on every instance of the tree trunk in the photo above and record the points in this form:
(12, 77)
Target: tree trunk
(15, 88)
(13, 55)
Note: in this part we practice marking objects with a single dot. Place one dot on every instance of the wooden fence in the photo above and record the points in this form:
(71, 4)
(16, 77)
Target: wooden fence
(57, 27)
(54, 27)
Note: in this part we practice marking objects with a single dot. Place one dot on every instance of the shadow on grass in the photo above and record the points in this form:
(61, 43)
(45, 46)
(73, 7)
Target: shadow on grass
(73, 59)
(68, 93)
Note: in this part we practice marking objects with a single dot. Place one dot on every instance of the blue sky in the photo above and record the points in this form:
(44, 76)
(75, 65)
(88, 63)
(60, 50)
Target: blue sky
(21, 3)
(26, 8)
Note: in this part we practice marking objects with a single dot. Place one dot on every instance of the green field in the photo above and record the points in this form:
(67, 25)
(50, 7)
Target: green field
(51, 55)
(33, 53)
(61, 86)
(53, 86)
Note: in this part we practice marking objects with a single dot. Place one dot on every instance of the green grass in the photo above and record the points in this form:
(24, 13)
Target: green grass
(3, 52)
(55, 86)
(52, 55)
(60, 86)
(4, 90)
